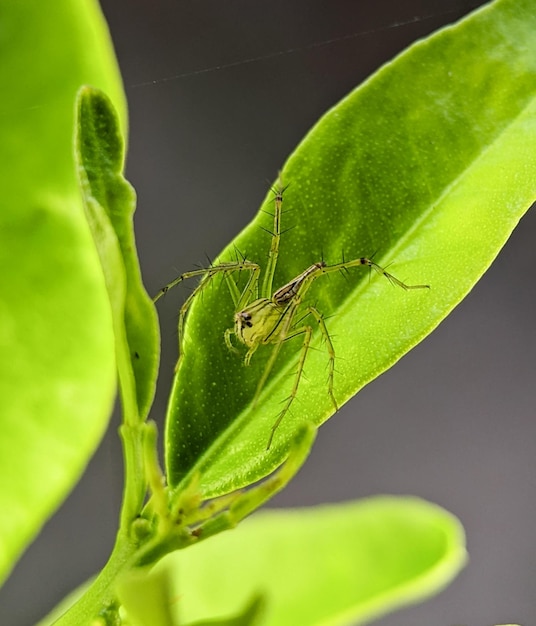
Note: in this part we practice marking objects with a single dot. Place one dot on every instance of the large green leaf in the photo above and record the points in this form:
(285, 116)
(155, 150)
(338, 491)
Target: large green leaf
(336, 564)
(57, 379)
(430, 164)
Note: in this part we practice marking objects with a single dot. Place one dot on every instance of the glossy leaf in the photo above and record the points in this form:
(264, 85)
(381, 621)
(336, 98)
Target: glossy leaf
(57, 379)
(429, 166)
(336, 564)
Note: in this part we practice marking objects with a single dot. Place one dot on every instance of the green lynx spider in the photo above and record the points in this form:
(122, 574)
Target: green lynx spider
(271, 318)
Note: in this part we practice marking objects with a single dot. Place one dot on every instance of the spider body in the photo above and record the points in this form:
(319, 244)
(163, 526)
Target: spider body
(271, 319)
(257, 323)
(261, 322)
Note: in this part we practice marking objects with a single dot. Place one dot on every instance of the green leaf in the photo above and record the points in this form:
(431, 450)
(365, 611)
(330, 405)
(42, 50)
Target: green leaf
(110, 202)
(57, 379)
(336, 564)
(429, 165)
(251, 615)
(147, 599)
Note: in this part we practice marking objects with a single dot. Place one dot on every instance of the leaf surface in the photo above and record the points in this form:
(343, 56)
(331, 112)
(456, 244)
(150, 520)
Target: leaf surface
(428, 166)
(57, 378)
(147, 599)
(336, 564)
(110, 202)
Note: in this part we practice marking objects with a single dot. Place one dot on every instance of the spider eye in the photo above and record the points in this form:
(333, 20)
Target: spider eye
(246, 320)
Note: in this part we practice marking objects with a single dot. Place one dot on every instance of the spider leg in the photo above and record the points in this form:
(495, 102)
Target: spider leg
(227, 337)
(307, 332)
(267, 283)
(377, 268)
(250, 291)
(330, 350)
(249, 354)
(207, 273)
(201, 272)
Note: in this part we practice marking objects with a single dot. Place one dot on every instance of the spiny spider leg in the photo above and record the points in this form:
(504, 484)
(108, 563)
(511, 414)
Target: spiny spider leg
(307, 331)
(380, 270)
(267, 283)
(225, 269)
(207, 272)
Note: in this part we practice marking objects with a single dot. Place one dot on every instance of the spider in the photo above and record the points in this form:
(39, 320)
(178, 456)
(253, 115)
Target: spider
(270, 318)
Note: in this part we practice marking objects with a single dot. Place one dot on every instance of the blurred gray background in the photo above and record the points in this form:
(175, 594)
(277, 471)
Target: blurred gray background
(219, 94)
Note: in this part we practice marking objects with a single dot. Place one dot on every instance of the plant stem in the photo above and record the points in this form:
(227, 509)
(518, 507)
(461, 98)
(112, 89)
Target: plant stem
(135, 489)
(101, 592)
